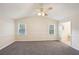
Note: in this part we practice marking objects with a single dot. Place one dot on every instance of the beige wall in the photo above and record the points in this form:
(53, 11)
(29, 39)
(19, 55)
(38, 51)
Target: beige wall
(6, 32)
(37, 29)
(75, 32)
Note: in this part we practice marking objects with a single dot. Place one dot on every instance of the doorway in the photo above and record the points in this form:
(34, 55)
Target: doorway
(65, 32)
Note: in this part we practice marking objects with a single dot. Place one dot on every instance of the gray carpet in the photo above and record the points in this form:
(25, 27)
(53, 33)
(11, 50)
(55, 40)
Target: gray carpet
(38, 48)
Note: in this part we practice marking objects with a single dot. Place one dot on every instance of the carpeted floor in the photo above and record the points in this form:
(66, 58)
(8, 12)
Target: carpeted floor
(38, 48)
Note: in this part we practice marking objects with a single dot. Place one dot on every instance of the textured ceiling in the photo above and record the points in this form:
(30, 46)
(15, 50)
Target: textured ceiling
(18, 10)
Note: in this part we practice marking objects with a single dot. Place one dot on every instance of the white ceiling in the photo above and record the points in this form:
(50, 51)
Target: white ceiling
(18, 10)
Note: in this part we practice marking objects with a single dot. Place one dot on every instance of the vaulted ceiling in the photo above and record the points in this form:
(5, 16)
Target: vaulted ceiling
(18, 10)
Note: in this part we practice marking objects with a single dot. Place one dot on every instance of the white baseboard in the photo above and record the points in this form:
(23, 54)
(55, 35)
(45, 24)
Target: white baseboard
(37, 40)
(6, 45)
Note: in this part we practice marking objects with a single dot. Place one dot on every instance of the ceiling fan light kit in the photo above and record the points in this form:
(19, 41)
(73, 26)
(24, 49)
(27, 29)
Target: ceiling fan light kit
(42, 11)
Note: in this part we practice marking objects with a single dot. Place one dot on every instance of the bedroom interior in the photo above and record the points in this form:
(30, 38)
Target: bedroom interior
(39, 29)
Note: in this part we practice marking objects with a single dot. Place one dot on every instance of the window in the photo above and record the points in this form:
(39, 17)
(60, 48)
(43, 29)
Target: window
(51, 29)
(21, 29)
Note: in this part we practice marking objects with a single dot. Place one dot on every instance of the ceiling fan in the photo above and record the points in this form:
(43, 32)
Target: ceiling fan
(43, 10)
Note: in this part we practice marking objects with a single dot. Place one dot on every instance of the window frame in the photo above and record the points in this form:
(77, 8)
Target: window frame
(52, 29)
(19, 28)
